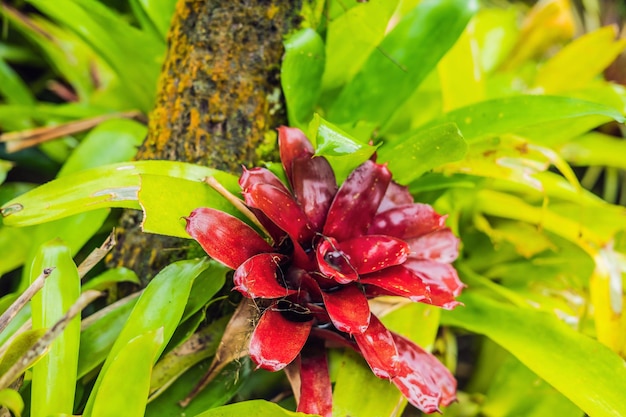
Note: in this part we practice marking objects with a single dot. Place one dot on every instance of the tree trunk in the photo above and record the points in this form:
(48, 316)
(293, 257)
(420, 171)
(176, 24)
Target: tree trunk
(219, 99)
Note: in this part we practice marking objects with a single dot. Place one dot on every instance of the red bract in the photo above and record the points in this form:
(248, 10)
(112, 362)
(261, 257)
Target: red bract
(333, 249)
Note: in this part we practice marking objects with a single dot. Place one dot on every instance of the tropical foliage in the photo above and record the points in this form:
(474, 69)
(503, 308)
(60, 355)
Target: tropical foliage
(478, 109)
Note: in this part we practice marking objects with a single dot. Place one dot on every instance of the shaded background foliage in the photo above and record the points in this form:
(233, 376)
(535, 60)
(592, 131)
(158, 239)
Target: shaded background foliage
(501, 121)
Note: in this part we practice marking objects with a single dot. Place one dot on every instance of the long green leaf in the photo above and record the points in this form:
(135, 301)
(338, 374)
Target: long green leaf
(257, 408)
(414, 154)
(166, 200)
(92, 21)
(403, 59)
(124, 388)
(160, 306)
(514, 114)
(585, 371)
(217, 393)
(54, 376)
(99, 335)
(301, 75)
(108, 186)
(12, 400)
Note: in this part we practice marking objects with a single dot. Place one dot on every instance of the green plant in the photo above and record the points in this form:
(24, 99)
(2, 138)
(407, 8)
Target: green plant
(467, 108)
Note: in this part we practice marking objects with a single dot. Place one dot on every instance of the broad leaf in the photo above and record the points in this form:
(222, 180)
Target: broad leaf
(124, 387)
(301, 74)
(402, 60)
(514, 114)
(585, 371)
(415, 153)
(160, 306)
(54, 376)
(108, 186)
(257, 408)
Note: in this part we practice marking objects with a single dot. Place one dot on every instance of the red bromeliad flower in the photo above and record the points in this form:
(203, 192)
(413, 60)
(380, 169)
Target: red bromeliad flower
(332, 250)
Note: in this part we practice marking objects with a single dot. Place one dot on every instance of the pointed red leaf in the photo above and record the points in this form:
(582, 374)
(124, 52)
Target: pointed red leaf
(437, 275)
(253, 176)
(400, 281)
(258, 277)
(316, 395)
(407, 221)
(277, 341)
(422, 379)
(357, 201)
(281, 208)
(333, 263)
(348, 309)
(250, 177)
(224, 237)
(378, 349)
(396, 195)
(440, 246)
(293, 144)
(314, 186)
(374, 252)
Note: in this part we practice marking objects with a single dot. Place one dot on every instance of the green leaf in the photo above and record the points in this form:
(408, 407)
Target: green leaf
(160, 306)
(412, 155)
(403, 59)
(513, 114)
(124, 387)
(516, 390)
(100, 334)
(108, 186)
(301, 75)
(257, 408)
(342, 151)
(110, 142)
(12, 87)
(92, 21)
(585, 371)
(217, 393)
(595, 148)
(166, 200)
(460, 74)
(352, 37)
(22, 343)
(580, 61)
(358, 392)
(160, 14)
(110, 278)
(54, 376)
(12, 400)
(205, 286)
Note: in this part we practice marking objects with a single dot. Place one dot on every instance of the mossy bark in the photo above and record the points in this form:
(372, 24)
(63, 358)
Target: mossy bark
(218, 100)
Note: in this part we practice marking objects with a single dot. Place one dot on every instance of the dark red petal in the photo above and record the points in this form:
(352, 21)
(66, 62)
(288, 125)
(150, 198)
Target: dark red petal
(356, 202)
(281, 208)
(314, 186)
(293, 144)
(258, 277)
(333, 263)
(400, 281)
(250, 177)
(440, 245)
(225, 238)
(374, 252)
(422, 379)
(253, 176)
(316, 395)
(442, 279)
(348, 309)
(378, 349)
(396, 195)
(407, 221)
(277, 341)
